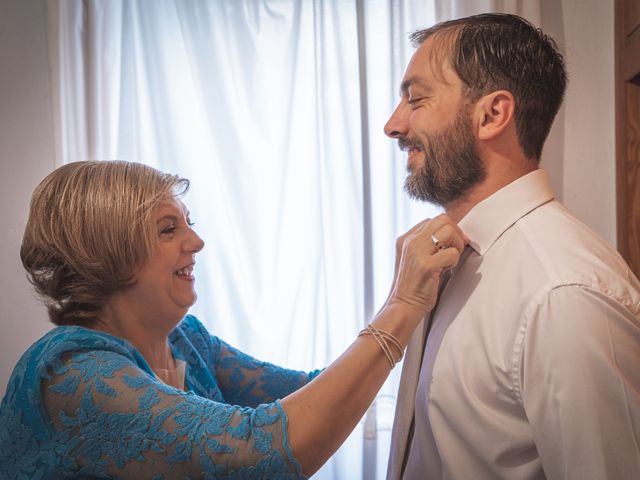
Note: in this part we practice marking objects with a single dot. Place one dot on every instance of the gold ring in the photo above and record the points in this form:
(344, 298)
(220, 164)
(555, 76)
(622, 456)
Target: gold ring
(436, 242)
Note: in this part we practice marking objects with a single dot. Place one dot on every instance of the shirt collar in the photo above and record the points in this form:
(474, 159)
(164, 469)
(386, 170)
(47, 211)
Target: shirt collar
(490, 218)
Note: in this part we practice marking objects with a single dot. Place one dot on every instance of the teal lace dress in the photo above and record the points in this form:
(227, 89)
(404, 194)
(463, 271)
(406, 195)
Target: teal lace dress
(85, 404)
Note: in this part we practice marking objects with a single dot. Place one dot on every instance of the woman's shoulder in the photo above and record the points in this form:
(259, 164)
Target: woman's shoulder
(193, 329)
(190, 323)
(50, 350)
(192, 334)
(63, 339)
(70, 338)
(48, 355)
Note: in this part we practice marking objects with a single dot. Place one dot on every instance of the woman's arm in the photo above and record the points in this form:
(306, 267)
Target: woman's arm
(247, 381)
(323, 413)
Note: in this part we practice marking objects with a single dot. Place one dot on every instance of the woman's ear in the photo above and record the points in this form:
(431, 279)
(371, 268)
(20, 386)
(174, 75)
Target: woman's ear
(495, 111)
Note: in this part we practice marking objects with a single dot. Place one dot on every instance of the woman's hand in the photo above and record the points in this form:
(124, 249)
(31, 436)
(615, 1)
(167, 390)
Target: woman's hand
(322, 413)
(419, 263)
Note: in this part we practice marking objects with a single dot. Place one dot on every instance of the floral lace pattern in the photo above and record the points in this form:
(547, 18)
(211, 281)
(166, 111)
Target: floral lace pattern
(84, 404)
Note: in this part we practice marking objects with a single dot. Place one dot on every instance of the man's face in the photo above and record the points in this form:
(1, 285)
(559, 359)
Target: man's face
(433, 125)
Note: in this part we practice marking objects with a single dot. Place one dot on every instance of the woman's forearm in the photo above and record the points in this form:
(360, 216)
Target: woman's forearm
(323, 413)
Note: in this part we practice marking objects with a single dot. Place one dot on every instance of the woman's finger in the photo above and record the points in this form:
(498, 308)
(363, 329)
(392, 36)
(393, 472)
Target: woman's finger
(447, 236)
(438, 235)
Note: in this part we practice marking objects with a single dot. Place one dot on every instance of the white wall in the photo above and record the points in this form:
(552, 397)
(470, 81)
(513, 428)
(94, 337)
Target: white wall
(580, 152)
(589, 180)
(26, 156)
(580, 155)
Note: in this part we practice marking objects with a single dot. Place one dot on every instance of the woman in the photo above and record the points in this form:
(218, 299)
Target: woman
(128, 386)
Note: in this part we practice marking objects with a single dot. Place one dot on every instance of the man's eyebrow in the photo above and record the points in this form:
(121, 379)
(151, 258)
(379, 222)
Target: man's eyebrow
(409, 82)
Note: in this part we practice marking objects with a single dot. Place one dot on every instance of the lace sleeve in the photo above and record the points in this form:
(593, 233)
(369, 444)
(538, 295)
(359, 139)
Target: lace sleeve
(250, 382)
(110, 418)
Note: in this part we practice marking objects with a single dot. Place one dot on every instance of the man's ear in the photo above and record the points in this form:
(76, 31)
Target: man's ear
(494, 112)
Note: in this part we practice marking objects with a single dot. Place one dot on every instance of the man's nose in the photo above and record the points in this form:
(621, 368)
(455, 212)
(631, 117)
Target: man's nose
(397, 126)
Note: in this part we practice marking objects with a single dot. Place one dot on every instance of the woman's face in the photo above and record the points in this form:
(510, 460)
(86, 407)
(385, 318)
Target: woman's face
(164, 286)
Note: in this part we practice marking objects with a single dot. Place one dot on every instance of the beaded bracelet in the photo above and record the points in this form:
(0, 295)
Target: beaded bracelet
(384, 338)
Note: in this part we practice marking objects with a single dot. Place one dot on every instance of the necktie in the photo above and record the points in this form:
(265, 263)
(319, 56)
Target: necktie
(445, 278)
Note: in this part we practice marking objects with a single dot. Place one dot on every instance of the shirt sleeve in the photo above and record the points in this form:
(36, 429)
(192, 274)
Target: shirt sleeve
(111, 419)
(580, 384)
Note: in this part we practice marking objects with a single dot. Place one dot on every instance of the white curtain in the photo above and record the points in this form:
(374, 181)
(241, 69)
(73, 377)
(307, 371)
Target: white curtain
(274, 109)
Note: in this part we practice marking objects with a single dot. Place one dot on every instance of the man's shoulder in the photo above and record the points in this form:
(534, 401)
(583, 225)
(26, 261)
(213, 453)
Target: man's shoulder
(569, 251)
(552, 230)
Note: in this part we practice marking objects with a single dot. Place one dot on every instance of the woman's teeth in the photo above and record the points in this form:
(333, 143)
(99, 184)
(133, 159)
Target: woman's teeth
(185, 272)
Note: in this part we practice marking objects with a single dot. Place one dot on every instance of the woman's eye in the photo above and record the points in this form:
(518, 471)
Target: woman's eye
(168, 230)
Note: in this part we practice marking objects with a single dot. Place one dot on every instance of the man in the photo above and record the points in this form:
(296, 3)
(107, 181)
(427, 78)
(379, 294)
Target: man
(529, 366)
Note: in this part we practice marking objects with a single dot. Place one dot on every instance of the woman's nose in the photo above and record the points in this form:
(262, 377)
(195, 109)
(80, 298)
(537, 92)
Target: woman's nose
(195, 242)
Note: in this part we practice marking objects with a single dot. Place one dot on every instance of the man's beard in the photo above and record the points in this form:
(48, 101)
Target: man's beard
(451, 164)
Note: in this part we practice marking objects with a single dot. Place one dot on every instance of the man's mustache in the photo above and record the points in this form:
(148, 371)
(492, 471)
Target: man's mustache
(407, 144)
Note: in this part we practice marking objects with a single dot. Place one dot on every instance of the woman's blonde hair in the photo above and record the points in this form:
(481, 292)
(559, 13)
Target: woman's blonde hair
(90, 226)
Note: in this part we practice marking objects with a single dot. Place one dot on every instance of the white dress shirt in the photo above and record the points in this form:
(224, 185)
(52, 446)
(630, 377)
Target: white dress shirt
(532, 364)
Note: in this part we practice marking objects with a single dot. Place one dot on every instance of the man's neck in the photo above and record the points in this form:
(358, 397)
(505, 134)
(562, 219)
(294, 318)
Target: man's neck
(496, 179)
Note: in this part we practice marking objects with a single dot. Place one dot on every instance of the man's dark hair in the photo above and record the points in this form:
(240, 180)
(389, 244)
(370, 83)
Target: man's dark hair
(492, 52)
